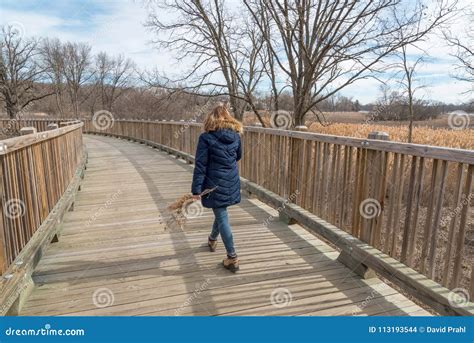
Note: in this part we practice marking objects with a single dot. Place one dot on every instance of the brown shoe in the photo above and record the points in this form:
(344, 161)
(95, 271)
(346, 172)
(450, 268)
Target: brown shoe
(212, 244)
(231, 263)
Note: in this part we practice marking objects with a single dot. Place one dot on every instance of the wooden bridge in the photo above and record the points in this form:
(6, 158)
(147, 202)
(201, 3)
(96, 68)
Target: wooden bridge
(95, 241)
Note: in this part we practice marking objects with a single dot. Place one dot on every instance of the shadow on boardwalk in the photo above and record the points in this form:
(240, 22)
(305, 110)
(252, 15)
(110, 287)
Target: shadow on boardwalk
(123, 262)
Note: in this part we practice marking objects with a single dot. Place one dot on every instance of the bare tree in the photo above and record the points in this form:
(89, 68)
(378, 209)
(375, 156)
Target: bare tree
(220, 45)
(113, 77)
(77, 72)
(408, 82)
(252, 66)
(52, 53)
(20, 73)
(326, 45)
(387, 105)
(464, 50)
(268, 59)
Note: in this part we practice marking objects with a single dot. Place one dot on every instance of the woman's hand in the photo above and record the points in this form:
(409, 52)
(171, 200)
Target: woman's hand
(196, 197)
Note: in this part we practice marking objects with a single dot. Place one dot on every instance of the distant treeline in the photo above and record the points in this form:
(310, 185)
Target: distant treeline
(142, 102)
(65, 79)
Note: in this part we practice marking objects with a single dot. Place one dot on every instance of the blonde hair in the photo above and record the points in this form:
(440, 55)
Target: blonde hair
(220, 118)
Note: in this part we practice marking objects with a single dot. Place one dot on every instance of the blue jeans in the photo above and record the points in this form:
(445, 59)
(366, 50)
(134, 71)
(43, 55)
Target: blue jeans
(221, 226)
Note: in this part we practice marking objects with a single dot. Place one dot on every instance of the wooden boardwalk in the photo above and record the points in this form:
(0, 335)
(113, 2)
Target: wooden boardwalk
(115, 257)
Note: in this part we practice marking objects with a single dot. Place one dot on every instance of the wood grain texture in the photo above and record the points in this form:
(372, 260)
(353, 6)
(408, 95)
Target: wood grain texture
(423, 212)
(413, 202)
(14, 290)
(116, 258)
(35, 171)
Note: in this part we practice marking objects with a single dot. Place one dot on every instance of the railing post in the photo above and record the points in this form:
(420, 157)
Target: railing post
(52, 126)
(380, 135)
(3, 246)
(27, 130)
(376, 182)
(294, 163)
(368, 211)
(370, 192)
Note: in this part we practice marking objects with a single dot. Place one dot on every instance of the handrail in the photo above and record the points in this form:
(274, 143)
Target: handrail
(11, 144)
(35, 171)
(427, 151)
(9, 125)
(420, 150)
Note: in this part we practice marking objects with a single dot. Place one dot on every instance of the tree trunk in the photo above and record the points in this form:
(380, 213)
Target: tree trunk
(12, 110)
(236, 108)
(255, 111)
(76, 106)
(299, 120)
(299, 114)
(59, 104)
(410, 126)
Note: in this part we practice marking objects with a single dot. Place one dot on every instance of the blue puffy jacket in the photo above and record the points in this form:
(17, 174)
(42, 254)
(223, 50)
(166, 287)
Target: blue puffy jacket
(217, 154)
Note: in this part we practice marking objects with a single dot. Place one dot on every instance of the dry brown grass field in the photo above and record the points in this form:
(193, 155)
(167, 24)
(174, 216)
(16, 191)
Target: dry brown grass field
(355, 124)
(462, 139)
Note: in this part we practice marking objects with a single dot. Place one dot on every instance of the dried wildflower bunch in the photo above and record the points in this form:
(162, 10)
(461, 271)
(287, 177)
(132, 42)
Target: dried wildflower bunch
(177, 205)
(183, 208)
(176, 210)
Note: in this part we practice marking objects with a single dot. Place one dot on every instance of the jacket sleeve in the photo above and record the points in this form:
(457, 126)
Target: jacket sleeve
(239, 150)
(200, 167)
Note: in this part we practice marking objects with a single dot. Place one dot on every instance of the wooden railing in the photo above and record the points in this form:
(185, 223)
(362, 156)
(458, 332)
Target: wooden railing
(35, 171)
(9, 126)
(410, 201)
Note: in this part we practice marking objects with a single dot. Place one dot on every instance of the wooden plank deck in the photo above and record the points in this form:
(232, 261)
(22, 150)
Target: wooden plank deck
(114, 256)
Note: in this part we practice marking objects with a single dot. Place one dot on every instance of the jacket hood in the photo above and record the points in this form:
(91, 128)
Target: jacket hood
(225, 135)
(233, 125)
(227, 131)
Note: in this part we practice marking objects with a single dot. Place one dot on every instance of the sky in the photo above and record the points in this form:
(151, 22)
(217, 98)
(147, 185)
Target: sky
(117, 27)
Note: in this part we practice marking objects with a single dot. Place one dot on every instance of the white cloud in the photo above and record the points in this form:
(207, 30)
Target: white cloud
(450, 91)
(122, 32)
(119, 32)
(365, 90)
(35, 24)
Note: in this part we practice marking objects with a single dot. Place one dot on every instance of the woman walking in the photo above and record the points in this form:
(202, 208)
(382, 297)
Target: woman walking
(217, 153)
